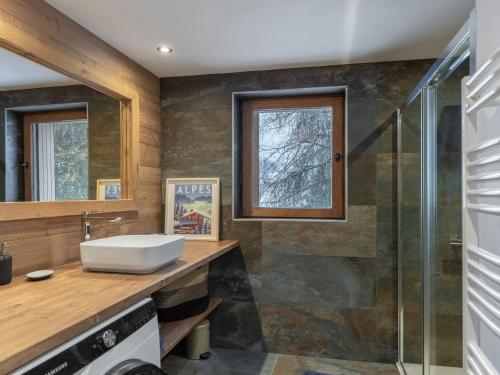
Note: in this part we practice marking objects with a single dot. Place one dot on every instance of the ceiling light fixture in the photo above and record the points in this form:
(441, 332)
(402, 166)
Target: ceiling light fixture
(164, 50)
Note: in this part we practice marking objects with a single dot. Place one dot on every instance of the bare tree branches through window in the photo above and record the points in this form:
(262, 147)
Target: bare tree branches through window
(288, 152)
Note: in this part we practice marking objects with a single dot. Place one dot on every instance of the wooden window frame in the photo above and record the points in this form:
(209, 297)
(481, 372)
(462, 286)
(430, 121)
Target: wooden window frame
(250, 157)
(37, 117)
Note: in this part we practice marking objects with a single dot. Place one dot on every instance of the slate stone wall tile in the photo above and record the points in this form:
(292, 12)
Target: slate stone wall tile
(356, 237)
(359, 78)
(387, 232)
(386, 261)
(412, 337)
(387, 335)
(411, 238)
(410, 179)
(230, 279)
(198, 133)
(446, 340)
(387, 123)
(412, 302)
(301, 280)
(387, 292)
(449, 222)
(215, 98)
(362, 177)
(447, 291)
(249, 233)
(196, 90)
(283, 267)
(451, 266)
(396, 80)
(237, 325)
(386, 185)
(449, 178)
(325, 332)
(361, 126)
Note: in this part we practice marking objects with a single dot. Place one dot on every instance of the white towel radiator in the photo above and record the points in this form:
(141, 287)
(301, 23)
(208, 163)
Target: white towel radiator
(481, 219)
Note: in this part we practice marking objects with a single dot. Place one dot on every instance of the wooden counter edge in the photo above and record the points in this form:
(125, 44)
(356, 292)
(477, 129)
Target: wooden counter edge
(25, 356)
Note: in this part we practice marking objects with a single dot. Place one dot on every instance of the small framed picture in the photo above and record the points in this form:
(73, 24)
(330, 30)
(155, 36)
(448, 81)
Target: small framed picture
(192, 208)
(108, 189)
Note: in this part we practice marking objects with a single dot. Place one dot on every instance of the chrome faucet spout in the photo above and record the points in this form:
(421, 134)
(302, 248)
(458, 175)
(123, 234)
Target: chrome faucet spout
(87, 218)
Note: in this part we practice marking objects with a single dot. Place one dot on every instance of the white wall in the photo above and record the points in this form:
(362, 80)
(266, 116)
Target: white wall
(487, 29)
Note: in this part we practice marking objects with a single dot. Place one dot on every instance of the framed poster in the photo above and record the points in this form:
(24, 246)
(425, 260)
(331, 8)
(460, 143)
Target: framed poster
(192, 208)
(108, 189)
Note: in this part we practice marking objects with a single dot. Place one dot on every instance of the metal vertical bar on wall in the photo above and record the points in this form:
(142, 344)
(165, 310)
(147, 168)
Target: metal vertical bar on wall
(428, 222)
(423, 225)
(469, 139)
(400, 250)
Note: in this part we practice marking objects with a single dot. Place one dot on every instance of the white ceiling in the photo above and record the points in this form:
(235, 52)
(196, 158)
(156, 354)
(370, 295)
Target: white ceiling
(219, 36)
(17, 72)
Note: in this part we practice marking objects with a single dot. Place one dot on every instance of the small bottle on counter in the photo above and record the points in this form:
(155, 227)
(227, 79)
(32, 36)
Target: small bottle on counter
(5, 265)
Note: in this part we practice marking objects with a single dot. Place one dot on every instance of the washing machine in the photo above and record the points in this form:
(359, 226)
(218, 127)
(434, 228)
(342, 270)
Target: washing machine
(126, 344)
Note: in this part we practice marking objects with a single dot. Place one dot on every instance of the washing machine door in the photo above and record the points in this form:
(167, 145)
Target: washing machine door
(135, 367)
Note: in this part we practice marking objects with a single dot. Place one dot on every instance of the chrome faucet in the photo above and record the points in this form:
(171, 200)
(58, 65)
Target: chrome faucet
(87, 218)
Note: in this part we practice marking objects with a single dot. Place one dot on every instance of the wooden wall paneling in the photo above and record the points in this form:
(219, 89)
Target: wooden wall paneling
(149, 196)
(41, 33)
(33, 210)
(37, 253)
(150, 155)
(56, 40)
(149, 135)
(151, 110)
(51, 241)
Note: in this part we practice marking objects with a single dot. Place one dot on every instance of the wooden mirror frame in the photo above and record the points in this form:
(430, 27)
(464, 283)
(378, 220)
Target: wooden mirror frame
(129, 141)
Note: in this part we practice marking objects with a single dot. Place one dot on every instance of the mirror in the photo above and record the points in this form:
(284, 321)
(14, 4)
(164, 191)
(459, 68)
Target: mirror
(59, 139)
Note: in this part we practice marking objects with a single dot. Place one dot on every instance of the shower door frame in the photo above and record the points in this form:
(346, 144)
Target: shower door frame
(427, 87)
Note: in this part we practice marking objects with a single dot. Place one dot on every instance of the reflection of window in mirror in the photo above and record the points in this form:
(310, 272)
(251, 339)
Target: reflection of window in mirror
(56, 155)
(58, 137)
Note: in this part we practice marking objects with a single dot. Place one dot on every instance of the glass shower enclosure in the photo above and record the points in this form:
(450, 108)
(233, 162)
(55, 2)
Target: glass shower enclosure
(429, 218)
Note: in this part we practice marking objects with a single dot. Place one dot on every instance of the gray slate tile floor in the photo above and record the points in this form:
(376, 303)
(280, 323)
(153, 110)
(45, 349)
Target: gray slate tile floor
(236, 362)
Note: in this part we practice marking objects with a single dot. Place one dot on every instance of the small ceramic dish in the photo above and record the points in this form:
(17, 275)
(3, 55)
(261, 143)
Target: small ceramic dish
(39, 275)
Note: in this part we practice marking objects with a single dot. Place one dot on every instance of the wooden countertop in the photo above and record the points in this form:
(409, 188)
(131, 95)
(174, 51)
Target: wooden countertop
(35, 317)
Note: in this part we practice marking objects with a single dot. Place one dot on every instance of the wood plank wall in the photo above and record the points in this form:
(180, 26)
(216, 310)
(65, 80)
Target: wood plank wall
(36, 29)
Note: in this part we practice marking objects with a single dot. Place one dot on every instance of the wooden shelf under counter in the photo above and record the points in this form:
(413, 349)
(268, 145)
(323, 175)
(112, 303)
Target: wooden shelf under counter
(172, 333)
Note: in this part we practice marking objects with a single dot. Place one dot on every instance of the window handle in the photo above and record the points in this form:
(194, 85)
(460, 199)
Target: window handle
(339, 156)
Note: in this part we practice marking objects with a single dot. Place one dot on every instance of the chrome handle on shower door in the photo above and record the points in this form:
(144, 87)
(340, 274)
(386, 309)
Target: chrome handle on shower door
(455, 240)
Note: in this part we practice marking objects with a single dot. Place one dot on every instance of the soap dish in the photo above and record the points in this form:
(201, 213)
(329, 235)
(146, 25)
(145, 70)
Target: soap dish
(39, 275)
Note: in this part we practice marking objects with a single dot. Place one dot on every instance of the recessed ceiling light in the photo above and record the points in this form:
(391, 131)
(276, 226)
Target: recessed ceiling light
(164, 50)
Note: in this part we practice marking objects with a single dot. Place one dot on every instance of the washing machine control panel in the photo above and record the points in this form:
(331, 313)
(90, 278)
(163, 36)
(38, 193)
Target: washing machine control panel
(96, 344)
(107, 338)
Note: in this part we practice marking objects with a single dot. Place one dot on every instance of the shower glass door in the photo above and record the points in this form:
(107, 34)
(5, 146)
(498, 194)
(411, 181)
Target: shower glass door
(446, 277)
(430, 218)
(410, 260)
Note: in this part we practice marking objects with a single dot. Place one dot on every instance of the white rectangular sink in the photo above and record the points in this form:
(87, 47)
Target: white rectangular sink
(131, 253)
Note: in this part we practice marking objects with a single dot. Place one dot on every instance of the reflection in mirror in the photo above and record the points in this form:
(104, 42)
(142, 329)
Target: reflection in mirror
(59, 139)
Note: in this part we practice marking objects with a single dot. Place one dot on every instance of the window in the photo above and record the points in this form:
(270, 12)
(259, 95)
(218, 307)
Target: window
(56, 155)
(292, 157)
